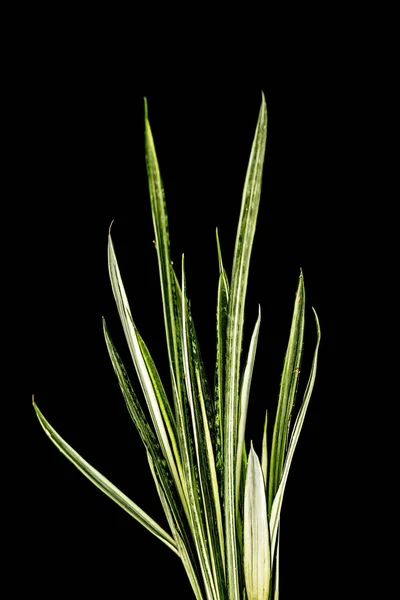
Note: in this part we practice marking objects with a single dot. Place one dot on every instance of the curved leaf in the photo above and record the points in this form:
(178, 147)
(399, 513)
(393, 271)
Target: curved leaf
(104, 484)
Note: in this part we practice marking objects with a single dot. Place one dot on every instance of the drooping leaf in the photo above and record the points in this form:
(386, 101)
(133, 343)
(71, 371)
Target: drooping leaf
(104, 484)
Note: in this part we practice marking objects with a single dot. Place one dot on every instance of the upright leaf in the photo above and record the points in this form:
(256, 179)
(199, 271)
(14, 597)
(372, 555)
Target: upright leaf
(277, 503)
(148, 438)
(244, 401)
(264, 454)
(172, 308)
(237, 296)
(287, 392)
(184, 550)
(257, 563)
(276, 570)
(219, 385)
(210, 522)
(154, 399)
(167, 281)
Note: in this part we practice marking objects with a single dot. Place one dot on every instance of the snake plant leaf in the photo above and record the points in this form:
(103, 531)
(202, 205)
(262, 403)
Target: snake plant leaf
(104, 484)
(162, 244)
(264, 453)
(147, 435)
(287, 392)
(209, 534)
(153, 398)
(244, 401)
(134, 408)
(277, 504)
(219, 379)
(237, 297)
(184, 549)
(172, 309)
(276, 570)
(257, 562)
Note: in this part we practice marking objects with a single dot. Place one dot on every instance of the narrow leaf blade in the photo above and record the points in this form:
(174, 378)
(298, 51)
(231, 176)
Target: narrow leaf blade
(146, 377)
(277, 504)
(237, 297)
(257, 564)
(287, 392)
(104, 484)
(244, 401)
(264, 453)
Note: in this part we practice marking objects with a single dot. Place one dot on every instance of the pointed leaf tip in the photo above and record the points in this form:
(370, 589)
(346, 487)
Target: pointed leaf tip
(220, 263)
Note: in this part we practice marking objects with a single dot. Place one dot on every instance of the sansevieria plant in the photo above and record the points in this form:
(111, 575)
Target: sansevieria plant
(221, 500)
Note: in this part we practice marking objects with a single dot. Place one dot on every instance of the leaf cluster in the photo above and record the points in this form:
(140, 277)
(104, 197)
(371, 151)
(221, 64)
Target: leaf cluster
(222, 502)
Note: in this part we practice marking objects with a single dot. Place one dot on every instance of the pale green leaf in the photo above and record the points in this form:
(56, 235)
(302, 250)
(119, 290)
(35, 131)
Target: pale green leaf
(257, 564)
(154, 399)
(244, 401)
(276, 570)
(183, 547)
(172, 308)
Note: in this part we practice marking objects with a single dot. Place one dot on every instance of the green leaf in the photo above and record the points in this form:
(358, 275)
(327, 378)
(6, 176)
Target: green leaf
(148, 438)
(104, 484)
(172, 307)
(244, 401)
(209, 533)
(287, 393)
(277, 504)
(219, 383)
(154, 397)
(237, 296)
(276, 570)
(257, 564)
(264, 454)
(162, 243)
(188, 560)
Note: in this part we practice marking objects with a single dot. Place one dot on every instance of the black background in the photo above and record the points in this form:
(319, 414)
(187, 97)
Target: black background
(80, 139)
